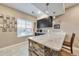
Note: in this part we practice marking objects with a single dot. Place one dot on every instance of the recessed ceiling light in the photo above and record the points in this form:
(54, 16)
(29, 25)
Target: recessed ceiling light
(39, 12)
(53, 17)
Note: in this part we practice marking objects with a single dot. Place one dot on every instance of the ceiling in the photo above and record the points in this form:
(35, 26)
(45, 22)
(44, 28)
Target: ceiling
(26, 8)
(32, 9)
(51, 9)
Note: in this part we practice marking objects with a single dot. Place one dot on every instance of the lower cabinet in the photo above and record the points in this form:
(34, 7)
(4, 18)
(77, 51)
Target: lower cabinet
(36, 49)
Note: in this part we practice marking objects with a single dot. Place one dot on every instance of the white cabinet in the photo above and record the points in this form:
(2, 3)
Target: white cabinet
(52, 9)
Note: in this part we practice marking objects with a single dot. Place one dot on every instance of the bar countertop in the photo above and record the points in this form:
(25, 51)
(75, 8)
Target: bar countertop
(53, 40)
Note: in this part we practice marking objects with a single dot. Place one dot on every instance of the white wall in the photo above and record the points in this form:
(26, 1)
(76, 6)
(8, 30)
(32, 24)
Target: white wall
(70, 22)
(9, 38)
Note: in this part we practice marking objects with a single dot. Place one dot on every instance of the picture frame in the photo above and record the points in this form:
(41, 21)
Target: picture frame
(8, 23)
(1, 20)
(56, 26)
(7, 17)
(1, 16)
(4, 29)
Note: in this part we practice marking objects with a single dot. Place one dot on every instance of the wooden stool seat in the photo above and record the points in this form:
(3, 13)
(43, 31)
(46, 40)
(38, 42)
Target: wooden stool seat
(68, 46)
(65, 52)
(66, 43)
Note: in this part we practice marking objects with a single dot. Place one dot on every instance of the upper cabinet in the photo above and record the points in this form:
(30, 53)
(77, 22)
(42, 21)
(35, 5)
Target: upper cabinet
(51, 9)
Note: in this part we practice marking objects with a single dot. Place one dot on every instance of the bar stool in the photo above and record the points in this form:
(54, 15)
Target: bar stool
(67, 48)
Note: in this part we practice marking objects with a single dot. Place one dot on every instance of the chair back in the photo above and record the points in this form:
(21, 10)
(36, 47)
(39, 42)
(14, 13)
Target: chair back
(72, 40)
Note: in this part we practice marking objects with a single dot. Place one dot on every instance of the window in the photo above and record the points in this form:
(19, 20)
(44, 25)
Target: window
(24, 28)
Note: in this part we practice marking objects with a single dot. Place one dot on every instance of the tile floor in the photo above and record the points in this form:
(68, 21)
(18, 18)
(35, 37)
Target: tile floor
(16, 50)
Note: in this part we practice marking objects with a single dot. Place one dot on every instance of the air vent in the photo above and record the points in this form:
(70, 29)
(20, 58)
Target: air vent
(54, 12)
(32, 12)
(47, 4)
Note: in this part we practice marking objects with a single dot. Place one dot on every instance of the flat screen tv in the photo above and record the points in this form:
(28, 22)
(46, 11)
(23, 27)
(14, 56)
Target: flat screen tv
(45, 22)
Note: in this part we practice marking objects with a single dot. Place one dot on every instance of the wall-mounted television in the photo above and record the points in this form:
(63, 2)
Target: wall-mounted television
(45, 22)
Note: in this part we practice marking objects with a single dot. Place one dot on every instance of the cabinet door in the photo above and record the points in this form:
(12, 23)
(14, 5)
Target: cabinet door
(36, 49)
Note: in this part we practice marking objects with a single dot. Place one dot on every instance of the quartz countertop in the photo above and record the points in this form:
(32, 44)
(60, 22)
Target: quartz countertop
(53, 40)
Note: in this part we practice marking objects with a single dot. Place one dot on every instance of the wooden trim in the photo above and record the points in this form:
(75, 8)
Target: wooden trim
(70, 44)
(72, 40)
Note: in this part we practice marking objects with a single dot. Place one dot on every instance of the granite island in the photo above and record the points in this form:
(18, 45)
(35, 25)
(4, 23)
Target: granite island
(46, 45)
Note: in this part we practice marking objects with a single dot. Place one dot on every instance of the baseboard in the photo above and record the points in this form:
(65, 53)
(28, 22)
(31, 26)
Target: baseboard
(13, 45)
